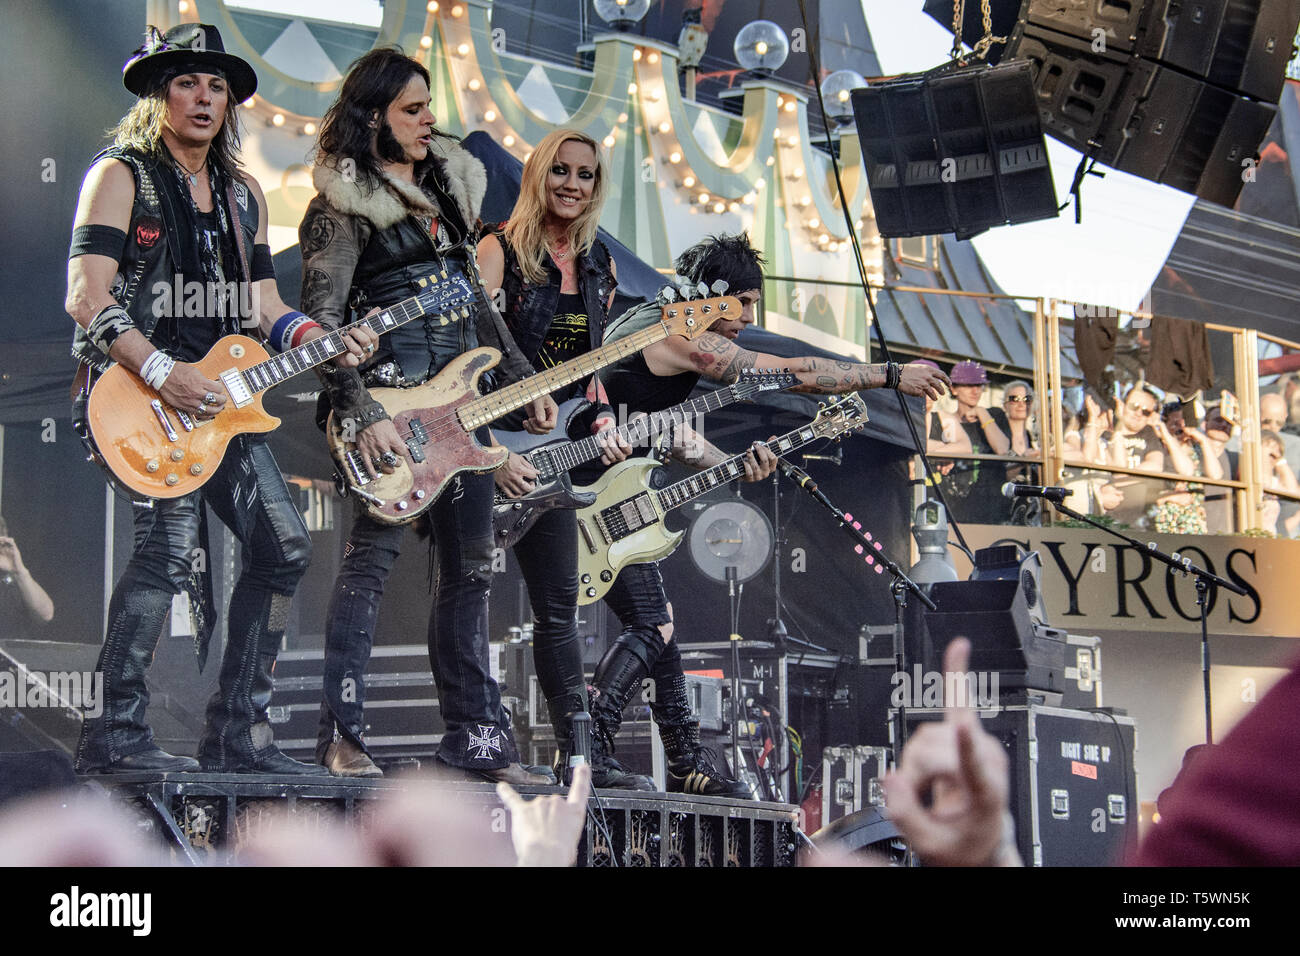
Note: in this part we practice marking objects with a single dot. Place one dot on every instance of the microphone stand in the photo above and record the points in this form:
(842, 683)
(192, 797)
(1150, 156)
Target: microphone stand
(899, 589)
(1184, 565)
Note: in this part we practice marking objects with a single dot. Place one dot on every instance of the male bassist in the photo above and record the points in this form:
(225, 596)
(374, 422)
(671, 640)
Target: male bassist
(661, 376)
(168, 204)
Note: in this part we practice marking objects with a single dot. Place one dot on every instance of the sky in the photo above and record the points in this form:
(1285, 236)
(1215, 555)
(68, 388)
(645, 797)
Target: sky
(1129, 224)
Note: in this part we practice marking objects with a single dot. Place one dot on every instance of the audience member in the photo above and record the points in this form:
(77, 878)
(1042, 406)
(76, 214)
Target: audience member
(1181, 509)
(951, 790)
(24, 604)
(1134, 443)
(974, 488)
(1219, 501)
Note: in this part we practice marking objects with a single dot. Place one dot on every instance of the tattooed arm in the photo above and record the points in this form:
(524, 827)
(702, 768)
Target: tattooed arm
(719, 358)
(693, 450)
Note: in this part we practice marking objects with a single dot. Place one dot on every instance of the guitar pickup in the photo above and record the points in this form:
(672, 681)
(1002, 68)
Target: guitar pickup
(416, 450)
(236, 387)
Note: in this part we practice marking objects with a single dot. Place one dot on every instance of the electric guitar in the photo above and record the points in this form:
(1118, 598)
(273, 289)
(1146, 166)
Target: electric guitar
(625, 525)
(159, 451)
(553, 456)
(437, 420)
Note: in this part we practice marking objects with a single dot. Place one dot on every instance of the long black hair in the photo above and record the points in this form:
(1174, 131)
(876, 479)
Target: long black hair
(371, 85)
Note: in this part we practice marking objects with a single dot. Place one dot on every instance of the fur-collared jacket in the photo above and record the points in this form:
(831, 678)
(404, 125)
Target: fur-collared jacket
(367, 245)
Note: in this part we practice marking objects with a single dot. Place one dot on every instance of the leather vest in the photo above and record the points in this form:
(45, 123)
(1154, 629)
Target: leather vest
(389, 269)
(530, 308)
(152, 256)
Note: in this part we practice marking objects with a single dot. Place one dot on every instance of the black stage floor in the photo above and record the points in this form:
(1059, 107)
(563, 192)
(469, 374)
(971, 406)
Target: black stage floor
(206, 817)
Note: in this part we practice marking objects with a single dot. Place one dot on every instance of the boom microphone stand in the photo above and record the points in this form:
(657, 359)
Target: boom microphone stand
(1175, 562)
(900, 587)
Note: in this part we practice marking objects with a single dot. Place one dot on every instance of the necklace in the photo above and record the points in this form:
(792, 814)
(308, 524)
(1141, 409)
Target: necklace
(193, 176)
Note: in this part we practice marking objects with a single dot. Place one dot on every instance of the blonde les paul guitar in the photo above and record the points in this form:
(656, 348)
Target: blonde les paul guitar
(162, 452)
(437, 420)
(625, 525)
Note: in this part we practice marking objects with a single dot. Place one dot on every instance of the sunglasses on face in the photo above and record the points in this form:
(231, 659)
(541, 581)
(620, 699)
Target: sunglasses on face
(1018, 398)
(1139, 410)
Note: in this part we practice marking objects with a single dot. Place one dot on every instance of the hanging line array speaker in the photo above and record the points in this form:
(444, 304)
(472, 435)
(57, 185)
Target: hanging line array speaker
(1177, 92)
(955, 151)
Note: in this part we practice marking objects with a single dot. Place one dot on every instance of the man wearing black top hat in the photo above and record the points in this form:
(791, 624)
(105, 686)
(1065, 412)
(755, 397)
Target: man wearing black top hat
(168, 205)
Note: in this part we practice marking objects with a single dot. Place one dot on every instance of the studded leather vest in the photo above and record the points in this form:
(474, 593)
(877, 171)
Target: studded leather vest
(146, 282)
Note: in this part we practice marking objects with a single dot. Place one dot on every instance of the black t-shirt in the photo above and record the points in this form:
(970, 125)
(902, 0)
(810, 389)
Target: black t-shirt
(973, 487)
(979, 444)
(1138, 446)
(1139, 493)
(193, 335)
(569, 335)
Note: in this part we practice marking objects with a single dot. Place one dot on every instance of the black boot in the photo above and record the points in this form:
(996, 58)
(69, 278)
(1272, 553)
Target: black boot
(618, 675)
(691, 768)
(118, 740)
(238, 737)
(606, 772)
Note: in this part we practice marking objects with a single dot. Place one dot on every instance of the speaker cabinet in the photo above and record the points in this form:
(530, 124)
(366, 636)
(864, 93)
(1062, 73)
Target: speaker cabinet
(955, 152)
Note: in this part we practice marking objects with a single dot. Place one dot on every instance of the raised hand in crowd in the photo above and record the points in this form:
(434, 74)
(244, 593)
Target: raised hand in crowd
(545, 830)
(950, 793)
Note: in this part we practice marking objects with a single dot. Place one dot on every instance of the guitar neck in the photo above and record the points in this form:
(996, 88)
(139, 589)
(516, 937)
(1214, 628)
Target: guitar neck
(287, 364)
(572, 454)
(680, 492)
(504, 401)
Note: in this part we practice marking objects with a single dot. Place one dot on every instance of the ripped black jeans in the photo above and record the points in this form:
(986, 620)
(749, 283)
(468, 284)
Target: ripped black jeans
(478, 731)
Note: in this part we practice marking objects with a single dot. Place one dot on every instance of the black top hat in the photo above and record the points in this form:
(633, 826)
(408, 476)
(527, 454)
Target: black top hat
(198, 44)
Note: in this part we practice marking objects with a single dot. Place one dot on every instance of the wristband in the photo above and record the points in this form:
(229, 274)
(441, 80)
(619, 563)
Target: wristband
(285, 327)
(107, 326)
(156, 368)
(302, 330)
(893, 375)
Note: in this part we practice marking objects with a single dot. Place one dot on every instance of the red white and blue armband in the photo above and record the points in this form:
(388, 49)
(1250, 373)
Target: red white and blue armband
(289, 330)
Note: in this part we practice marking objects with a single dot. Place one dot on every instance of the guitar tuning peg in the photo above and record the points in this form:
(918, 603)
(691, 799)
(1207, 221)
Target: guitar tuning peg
(687, 291)
(668, 293)
(704, 289)
(720, 286)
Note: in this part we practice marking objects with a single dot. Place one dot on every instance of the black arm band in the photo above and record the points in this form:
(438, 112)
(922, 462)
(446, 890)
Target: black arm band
(97, 240)
(262, 266)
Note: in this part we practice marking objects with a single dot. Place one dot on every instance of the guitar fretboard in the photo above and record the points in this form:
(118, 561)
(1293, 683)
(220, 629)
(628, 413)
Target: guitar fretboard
(503, 401)
(287, 364)
(678, 493)
(572, 454)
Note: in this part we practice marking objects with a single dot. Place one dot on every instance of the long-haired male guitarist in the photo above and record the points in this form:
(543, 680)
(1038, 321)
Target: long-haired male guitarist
(397, 200)
(659, 377)
(167, 220)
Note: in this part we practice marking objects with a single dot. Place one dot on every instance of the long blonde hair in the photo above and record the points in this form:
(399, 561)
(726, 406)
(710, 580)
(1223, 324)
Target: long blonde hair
(526, 231)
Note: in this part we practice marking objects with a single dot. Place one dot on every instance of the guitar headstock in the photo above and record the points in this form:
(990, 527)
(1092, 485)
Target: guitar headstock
(691, 319)
(447, 293)
(839, 416)
(754, 381)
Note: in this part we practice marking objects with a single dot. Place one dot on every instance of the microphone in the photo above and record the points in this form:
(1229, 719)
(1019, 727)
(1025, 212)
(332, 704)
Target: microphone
(1013, 490)
(796, 474)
